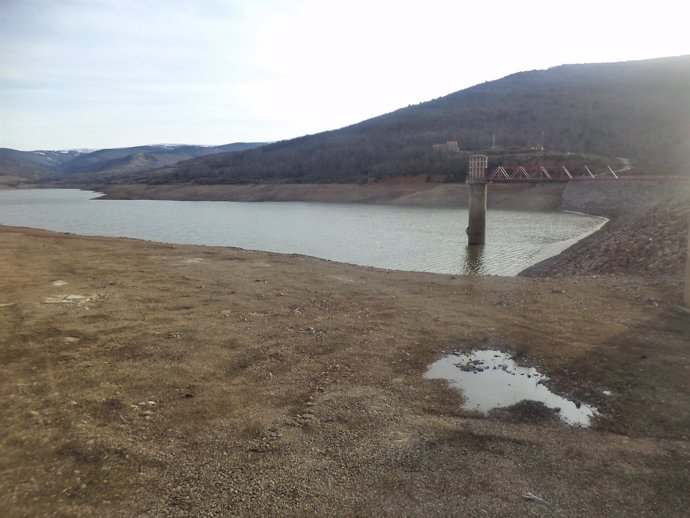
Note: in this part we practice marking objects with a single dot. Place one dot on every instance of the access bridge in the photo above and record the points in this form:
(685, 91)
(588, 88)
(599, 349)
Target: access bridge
(554, 173)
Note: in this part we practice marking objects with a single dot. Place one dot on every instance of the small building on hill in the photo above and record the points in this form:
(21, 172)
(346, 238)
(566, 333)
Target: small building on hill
(449, 146)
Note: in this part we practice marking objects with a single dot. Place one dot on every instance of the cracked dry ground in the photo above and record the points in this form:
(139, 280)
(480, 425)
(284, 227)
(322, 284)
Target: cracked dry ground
(142, 379)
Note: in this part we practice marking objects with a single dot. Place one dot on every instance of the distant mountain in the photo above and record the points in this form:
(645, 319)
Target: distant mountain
(104, 164)
(155, 156)
(20, 167)
(47, 159)
(639, 110)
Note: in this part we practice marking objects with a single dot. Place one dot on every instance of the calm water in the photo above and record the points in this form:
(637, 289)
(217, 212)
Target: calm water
(401, 238)
(491, 379)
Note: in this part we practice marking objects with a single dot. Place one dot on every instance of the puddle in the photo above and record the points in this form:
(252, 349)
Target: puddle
(68, 299)
(491, 379)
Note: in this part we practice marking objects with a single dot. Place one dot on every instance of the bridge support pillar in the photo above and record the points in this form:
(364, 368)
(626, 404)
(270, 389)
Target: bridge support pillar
(476, 183)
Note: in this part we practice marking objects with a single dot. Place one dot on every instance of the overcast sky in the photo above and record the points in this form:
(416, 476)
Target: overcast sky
(114, 73)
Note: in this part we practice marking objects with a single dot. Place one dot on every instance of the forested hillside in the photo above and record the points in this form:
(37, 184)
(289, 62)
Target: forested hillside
(639, 110)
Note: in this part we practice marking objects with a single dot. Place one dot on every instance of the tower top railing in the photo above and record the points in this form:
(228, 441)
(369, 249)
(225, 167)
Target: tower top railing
(478, 168)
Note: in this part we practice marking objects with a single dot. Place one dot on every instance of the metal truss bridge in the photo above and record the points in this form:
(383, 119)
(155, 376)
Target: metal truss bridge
(555, 173)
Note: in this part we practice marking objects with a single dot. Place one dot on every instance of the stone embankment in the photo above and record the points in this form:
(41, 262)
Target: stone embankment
(621, 198)
(647, 234)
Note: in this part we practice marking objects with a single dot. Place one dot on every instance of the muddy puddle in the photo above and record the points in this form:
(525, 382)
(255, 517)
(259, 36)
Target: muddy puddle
(491, 379)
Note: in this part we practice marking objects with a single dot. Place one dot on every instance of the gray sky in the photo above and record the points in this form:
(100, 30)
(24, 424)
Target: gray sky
(113, 73)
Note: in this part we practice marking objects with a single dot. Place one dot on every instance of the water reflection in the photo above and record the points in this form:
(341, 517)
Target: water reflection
(492, 379)
(474, 259)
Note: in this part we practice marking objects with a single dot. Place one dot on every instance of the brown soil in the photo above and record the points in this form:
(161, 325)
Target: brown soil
(398, 191)
(142, 379)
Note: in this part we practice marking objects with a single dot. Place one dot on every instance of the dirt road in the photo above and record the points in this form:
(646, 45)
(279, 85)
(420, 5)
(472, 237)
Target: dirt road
(142, 379)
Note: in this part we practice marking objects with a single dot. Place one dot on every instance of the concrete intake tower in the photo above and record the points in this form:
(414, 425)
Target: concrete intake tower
(476, 182)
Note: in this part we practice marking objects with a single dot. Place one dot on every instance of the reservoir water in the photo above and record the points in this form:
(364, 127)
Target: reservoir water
(392, 237)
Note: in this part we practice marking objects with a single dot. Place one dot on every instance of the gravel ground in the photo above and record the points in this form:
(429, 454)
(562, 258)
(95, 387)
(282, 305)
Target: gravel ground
(653, 245)
(142, 379)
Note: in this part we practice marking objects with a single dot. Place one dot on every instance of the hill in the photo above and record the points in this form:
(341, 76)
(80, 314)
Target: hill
(148, 156)
(79, 165)
(638, 110)
(21, 167)
(50, 160)
(14, 172)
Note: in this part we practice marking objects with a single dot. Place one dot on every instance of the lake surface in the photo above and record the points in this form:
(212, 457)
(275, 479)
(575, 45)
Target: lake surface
(400, 238)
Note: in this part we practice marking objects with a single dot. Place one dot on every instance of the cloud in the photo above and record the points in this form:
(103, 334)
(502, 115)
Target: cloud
(212, 70)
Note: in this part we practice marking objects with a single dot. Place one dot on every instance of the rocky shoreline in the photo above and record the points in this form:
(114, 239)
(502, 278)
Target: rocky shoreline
(606, 198)
(645, 236)
(393, 192)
